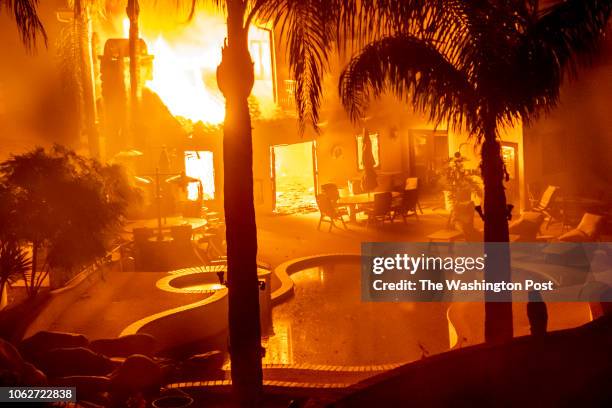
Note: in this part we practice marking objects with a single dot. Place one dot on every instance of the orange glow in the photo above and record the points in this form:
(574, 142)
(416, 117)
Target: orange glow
(126, 27)
(200, 165)
(185, 63)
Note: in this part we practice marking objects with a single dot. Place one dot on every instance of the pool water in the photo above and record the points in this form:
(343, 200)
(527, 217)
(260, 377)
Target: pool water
(326, 323)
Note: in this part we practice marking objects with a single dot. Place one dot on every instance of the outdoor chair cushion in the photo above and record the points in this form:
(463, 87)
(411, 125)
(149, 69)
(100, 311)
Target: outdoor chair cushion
(590, 224)
(574, 235)
(586, 231)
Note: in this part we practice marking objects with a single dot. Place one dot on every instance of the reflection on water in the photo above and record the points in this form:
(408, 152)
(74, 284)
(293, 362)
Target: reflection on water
(327, 323)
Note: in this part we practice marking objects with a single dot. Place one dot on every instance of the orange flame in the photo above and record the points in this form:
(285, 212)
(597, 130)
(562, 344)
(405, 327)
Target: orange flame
(184, 68)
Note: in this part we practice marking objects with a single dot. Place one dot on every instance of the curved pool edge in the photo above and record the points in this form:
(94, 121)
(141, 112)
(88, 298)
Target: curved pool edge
(284, 271)
(165, 283)
(174, 326)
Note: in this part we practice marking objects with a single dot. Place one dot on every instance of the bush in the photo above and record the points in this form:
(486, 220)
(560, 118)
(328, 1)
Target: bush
(67, 207)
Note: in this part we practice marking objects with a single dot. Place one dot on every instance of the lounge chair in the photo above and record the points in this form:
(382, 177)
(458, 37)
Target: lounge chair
(587, 231)
(544, 205)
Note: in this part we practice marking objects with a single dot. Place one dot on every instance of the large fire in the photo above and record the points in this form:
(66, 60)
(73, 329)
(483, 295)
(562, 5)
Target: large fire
(185, 63)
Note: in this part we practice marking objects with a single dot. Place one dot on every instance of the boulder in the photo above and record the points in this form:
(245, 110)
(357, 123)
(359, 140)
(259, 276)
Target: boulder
(138, 373)
(86, 385)
(89, 388)
(205, 365)
(74, 361)
(14, 370)
(125, 346)
(44, 341)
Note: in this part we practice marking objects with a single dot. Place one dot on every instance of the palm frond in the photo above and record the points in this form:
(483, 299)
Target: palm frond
(29, 25)
(14, 262)
(416, 72)
(309, 27)
(313, 28)
(555, 43)
(193, 4)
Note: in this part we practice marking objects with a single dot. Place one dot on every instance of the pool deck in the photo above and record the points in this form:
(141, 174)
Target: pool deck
(120, 298)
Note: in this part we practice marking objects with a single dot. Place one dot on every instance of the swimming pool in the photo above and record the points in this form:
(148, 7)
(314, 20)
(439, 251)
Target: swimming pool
(326, 323)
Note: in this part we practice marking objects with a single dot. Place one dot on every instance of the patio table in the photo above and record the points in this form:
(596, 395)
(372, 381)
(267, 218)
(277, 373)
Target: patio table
(353, 200)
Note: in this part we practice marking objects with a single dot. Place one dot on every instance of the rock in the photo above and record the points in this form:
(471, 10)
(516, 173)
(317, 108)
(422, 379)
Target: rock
(138, 373)
(125, 346)
(91, 390)
(75, 361)
(32, 376)
(173, 401)
(86, 384)
(206, 365)
(44, 341)
(14, 370)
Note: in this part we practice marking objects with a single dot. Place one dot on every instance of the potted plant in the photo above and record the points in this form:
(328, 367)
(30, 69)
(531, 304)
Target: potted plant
(459, 183)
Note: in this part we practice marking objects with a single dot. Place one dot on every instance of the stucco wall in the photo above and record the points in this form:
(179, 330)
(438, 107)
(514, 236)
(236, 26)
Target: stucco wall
(572, 146)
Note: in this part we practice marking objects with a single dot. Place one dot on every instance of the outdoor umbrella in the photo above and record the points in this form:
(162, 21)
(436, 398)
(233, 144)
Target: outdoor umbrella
(368, 181)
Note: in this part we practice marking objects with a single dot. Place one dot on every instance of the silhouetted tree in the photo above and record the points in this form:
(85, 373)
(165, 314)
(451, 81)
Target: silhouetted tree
(67, 207)
(480, 65)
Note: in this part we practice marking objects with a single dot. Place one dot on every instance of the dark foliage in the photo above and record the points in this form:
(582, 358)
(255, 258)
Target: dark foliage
(66, 206)
(25, 13)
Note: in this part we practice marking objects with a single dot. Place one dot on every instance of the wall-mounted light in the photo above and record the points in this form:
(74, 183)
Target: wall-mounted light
(394, 132)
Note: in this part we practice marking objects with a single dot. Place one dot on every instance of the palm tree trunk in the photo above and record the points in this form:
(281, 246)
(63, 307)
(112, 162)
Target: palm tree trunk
(133, 10)
(235, 77)
(87, 81)
(498, 307)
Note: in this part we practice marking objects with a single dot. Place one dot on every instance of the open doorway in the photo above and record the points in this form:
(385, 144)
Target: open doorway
(293, 169)
(199, 165)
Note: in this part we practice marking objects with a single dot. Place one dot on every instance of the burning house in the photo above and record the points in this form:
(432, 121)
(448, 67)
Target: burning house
(134, 266)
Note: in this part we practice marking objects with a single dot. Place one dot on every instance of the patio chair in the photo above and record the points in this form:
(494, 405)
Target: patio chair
(412, 183)
(331, 190)
(333, 193)
(328, 210)
(544, 205)
(406, 206)
(355, 186)
(142, 235)
(381, 210)
(181, 233)
(587, 231)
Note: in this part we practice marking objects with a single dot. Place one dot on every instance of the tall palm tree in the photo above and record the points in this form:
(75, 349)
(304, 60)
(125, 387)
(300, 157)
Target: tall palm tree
(82, 29)
(480, 65)
(132, 11)
(311, 29)
(25, 13)
(76, 65)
